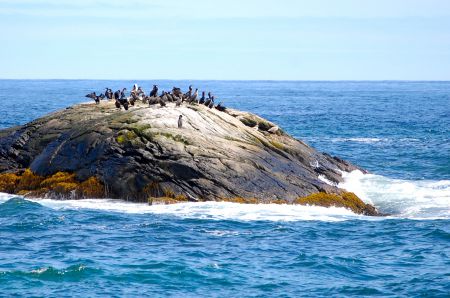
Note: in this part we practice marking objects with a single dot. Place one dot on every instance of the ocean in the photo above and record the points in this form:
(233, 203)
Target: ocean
(398, 130)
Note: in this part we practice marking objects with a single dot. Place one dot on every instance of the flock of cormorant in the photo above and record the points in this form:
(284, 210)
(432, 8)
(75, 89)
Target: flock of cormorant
(154, 97)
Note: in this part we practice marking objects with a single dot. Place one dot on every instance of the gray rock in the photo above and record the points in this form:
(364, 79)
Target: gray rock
(216, 155)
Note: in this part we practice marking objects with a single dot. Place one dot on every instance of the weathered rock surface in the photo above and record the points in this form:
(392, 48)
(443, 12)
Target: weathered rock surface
(215, 154)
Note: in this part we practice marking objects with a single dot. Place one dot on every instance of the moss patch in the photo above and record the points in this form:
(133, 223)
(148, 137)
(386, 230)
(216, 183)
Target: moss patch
(277, 145)
(264, 126)
(8, 182)
(248, 122)
(162, 195)
(61, 184)
(125, 136)
(176, 138)
(241, 200)
(140, 129)
(346, 199)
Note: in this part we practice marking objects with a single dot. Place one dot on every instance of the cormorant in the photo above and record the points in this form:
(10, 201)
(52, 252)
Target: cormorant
(220, 107)
(180, 121)
(208, 101)
(194, 96)
(211, 104)
(179, 100)
(154, 91)
(189, 93)
(169, 97)
(202, 99)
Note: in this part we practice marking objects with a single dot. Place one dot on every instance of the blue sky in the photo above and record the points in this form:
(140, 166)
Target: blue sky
(232, 39)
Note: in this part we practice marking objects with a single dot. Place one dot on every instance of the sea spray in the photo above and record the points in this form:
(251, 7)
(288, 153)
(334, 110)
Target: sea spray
(402, 198)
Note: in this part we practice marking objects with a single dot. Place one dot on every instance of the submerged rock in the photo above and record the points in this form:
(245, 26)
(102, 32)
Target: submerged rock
(141, 153)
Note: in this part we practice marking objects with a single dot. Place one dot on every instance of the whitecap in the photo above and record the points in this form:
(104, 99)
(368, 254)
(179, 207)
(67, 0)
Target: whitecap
(360, 140)
(416, 199)
(208, 210)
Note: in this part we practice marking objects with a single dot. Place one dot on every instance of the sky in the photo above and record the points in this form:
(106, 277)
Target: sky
(225, 40)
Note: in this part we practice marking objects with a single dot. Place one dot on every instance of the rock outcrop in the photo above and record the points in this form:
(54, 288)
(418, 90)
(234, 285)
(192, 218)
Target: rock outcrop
(142, 153)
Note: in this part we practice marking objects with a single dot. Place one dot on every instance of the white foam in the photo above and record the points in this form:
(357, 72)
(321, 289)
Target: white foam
(324, 179)
(359, 140)
(423, 199)
(417, 199)
(206, 210)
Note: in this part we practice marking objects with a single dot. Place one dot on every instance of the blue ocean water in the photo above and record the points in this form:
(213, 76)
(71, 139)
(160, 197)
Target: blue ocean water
(400, 131)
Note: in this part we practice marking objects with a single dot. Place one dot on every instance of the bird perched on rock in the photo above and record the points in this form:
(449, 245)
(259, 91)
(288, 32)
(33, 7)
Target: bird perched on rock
(189, 93)
(176, 91)
(154, 91)
(169, 97)
(211, 104)
(220, 107)
(179, 100)
(117, 94)
(108, 93)
(208, 101)
(180, 121)
(91, 95)
(194, 96)
(140, 91)
(98, 98)
(164, 96)
(202, 99)
(122, 94)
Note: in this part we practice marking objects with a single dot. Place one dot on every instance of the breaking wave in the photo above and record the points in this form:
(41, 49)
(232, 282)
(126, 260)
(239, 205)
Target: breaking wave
(416, 199)
(423, 199)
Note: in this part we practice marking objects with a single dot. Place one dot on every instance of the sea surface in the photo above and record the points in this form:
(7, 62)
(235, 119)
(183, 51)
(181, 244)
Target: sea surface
(399, 131)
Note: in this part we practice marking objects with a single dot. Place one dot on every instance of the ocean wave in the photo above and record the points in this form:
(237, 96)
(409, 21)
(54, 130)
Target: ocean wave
(360, 140)
(205, 210)
(415, 199)
(368, 140)
(74, 273)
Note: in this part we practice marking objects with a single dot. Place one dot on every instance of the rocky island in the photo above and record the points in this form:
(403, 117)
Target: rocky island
(90, 150)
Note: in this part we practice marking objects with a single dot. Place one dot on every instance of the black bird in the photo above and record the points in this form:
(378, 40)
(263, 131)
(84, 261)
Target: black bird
(211, 104)
(117, 95)
(164, 96)
(209, 95)
(189, 93)
(202, 99)
(91, 95)
(180, 121)
(194, 96)
(220, 107)
(169, 97)
(134, 97)
(208, 101)
(140, 91)
(122, 94)
(108, 93)
(179, 100)
(154, 91)
(98, 98)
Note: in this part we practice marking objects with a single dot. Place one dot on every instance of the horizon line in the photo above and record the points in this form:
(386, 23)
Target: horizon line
(237, 80)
